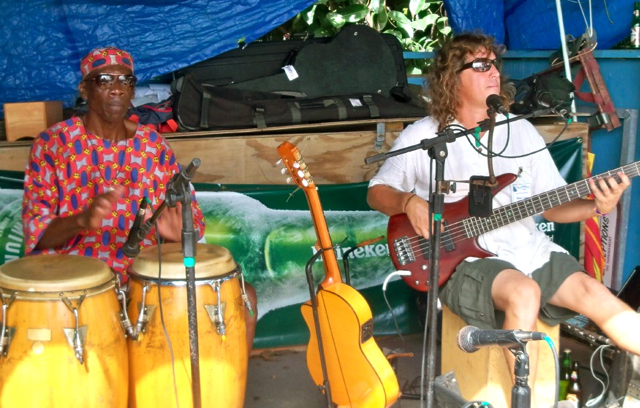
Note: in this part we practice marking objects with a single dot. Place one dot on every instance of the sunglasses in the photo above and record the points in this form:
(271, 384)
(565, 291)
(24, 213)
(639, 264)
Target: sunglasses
(481, 64)
(107, 80)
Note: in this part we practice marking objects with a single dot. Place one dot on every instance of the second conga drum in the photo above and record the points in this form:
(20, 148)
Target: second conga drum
(154, 361)
(64, 345)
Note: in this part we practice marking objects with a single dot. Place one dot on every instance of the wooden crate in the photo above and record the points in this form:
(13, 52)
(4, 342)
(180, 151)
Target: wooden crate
(28, 119)
(484, 375)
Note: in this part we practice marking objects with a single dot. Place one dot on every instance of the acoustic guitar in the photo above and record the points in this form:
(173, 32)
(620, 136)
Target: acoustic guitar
(410, 251)
(358, 373)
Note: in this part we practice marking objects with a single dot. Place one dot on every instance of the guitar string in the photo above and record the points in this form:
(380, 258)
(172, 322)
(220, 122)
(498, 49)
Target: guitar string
(458, 229)
(454, 233)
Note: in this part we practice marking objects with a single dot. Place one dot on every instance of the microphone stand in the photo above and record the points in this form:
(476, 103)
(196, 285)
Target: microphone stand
(179, 191)
(438, 151)
(521, 392)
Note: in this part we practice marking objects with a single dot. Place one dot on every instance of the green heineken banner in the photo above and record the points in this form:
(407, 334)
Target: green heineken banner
(269, 232)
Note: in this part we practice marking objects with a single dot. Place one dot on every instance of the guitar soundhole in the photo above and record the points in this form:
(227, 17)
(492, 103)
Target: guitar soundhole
(367, 331)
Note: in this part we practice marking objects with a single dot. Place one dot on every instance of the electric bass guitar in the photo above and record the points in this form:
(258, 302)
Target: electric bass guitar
(359, 375)
(411, 252)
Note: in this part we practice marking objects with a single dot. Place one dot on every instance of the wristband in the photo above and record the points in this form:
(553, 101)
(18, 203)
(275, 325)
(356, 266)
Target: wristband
(599, 213)
(404, 209)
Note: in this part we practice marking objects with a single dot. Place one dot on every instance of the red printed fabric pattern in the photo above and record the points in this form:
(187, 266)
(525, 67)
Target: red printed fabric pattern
(68, 167)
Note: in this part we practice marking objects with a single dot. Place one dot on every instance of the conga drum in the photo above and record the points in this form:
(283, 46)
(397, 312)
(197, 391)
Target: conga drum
(62, 341)
(155, 361)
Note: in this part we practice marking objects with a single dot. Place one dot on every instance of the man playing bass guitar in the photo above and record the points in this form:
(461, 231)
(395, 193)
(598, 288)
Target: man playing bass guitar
(529, 276)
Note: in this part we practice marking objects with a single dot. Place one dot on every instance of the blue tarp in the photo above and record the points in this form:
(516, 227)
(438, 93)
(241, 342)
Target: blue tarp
(533, 24)
(44, 40)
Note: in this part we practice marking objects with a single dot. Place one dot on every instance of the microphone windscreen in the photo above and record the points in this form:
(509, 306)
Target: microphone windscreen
(464, 339)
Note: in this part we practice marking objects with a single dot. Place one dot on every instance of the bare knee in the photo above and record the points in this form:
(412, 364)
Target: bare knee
(519, 299)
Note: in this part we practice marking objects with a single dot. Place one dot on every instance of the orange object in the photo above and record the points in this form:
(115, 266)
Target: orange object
(29, 119)
(223, 354)
(44, 365)
(357, 371)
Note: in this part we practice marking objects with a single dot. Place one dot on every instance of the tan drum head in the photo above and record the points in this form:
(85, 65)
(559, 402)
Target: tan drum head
(54, 273)
(211, 261)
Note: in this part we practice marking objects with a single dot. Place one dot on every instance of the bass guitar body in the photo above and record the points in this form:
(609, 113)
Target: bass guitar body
(359, 373)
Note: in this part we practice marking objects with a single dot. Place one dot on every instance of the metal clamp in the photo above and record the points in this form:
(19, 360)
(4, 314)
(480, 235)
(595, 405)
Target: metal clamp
(7, 333)
(123, 315)
(145, 314)
(245, 298)
(216, 312)
(78, 335)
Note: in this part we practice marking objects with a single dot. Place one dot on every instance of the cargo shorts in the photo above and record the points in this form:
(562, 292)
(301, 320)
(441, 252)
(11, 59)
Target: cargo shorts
(468, 291)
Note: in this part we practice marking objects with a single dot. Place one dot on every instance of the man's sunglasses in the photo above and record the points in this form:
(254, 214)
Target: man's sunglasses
(107, 80)
(481, 64)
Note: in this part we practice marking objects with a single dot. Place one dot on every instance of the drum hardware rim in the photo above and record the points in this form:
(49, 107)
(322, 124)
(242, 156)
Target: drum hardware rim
(6, 332)
(212, 312)
(7, 336)
(145, 315)
(218, 322)
(76, 337)
(123, 317)
(183, 281)
(72, 294)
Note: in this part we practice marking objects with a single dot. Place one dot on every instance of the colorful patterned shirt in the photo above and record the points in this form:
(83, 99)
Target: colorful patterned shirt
(69, 166)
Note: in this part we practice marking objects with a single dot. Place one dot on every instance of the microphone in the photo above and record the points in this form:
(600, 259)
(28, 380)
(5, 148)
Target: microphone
(546, 100)
(131, 248)
(494, 102)
(471, 339)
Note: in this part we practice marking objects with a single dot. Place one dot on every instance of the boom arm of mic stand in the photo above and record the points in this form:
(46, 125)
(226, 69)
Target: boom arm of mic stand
(449, 136)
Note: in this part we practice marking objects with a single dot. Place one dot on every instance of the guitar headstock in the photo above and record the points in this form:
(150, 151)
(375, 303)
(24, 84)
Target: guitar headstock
(296, 166)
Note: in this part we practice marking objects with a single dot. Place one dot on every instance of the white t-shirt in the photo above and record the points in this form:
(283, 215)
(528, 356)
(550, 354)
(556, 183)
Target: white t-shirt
(519, 243)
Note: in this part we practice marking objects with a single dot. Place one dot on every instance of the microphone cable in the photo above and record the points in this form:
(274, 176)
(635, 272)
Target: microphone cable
(554, 352)
(164, 326)
(384, 295)
(600, 350)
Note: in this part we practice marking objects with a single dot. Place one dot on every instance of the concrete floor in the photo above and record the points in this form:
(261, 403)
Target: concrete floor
(280, 378)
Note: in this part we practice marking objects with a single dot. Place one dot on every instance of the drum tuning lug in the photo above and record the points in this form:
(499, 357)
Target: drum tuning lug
(126, 325)
(146, 313)
(217, 318)
(76, 339)
(247, 303)
(6, 340)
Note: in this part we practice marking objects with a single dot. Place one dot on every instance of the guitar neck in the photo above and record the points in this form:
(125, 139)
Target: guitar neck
(332, 271)
(537, 204)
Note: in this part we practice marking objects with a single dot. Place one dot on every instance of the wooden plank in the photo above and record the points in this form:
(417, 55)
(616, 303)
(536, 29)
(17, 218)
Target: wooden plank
(344, 125)
(14, 155)
(334, 157)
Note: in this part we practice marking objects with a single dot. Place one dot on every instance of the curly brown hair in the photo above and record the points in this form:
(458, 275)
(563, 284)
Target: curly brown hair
(444, 81)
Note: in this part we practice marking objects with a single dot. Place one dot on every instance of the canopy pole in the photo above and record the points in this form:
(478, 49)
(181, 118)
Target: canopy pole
(565, 55)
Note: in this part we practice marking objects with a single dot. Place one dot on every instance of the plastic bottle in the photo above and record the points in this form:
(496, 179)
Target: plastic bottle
(565, 374)
(574, 391)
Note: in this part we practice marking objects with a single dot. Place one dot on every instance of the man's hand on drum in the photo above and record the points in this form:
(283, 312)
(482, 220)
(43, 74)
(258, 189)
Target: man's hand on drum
(100, 208)
(169, 223)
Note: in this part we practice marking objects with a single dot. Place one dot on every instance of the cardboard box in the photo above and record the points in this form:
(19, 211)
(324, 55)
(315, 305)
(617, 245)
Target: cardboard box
(28, 119)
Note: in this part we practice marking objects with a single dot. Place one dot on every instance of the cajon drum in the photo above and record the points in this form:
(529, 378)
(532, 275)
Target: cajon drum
(484, 375)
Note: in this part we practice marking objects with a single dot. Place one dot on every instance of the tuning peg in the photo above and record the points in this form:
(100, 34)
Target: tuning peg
(278, 162)
(289, 180)
(304, 183)
(300, 173)
(283, 171)
(296, 165)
